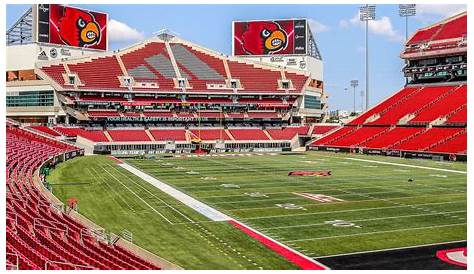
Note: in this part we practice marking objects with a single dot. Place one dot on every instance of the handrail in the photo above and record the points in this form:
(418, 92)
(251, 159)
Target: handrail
(76, 266)
(36, 222)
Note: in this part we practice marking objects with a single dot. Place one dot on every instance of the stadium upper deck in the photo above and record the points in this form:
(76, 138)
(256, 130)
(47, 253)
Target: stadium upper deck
(427, 117)
(172, 80)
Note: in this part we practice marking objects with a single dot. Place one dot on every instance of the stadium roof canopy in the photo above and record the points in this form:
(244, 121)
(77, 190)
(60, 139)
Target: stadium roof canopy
(445, 38)
(451, 28)
(22, 31)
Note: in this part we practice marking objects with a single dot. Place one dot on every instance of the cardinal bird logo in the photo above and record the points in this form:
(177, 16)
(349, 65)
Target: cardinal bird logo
(78, 28)
(263, 38)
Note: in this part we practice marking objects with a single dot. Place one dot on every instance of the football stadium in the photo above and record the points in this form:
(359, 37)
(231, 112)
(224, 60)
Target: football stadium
(165, 154)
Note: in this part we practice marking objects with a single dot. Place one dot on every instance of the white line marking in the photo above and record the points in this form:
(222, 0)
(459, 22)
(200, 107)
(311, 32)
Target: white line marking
(200, 207)
(406, 165)
(348, 210)
(316, 205)
(389, 249)
(376, 232)
(286, 246)
(152, 208)
(371, 219)
(153, 195)
(112, 190)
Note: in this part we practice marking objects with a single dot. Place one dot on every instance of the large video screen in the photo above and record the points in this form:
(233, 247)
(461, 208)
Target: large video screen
(64, 25)
(269, 37)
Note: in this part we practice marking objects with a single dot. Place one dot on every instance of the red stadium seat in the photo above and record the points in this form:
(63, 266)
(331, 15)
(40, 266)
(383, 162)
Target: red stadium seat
(36, 236)
(129, 135)
(248, 134)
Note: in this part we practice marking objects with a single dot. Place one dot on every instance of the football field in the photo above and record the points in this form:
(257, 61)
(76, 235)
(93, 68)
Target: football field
(367, 203)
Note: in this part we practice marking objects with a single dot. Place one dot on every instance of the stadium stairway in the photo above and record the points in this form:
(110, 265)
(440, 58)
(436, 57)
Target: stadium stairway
(459, 115)
(445, 140)
(428, 108)
(152, 138)
(406, 139)
(229, 134)
(268, 134)
(107, 135)
(374, 136)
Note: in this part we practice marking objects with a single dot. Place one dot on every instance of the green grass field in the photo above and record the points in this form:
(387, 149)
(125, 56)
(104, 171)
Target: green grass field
(380, 208)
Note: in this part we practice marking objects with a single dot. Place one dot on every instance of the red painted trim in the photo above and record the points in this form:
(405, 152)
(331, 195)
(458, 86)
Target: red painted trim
(443, 255)
(118, 161)
(298, 259)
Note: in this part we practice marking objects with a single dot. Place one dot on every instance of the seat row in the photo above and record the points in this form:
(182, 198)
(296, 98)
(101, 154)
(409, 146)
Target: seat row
(38, 235)
(435, 139)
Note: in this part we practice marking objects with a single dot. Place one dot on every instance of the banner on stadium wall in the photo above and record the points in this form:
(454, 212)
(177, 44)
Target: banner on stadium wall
(269, 37)
(70, 26)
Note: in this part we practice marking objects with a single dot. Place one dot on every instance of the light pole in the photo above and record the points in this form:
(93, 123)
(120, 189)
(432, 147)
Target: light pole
(367, 13)
(406, 10)
(354, 84)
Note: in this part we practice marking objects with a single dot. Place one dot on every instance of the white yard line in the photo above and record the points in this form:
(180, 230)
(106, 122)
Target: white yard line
(375, 232)
(255, 187)
(365, 220)
(153, 195)
(389, 249)
(318, 189)
(313, 205)
(210, 185)
(406, 165)
(198, 206)
(112, 190)
(202, 208)
(138, 196)
(322, 191)
(348, 210)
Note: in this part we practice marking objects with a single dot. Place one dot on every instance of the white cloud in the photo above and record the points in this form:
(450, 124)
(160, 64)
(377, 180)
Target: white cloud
(317, 26)
(444, 10)
(344, 24)
(429, 14)
(382, 26)
(121, 32)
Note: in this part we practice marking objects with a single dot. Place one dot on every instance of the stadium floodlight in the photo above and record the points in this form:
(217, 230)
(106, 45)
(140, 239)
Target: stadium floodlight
(354, 84)
(366, 14)
(406, 10)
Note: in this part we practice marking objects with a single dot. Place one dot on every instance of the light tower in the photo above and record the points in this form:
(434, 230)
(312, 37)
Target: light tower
(406, 10)
(366, 14)
(354, 84)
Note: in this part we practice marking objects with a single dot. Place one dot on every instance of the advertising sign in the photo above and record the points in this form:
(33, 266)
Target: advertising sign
(270, 37)
(70, 26)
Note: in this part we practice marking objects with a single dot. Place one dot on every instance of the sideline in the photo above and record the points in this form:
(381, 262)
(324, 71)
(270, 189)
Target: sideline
(198, 206)
(389, 249)
(299, 259)
(406, 165)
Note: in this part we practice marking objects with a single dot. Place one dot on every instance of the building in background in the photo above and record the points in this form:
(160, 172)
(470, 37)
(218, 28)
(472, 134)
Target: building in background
(46, 33)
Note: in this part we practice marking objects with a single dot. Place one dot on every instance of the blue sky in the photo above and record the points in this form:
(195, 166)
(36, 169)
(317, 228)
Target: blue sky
(340, 39)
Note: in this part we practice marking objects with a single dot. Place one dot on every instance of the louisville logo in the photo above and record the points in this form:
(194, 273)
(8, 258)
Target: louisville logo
(323, 173)
(263, 38)
(78, 28)
(456, 256)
